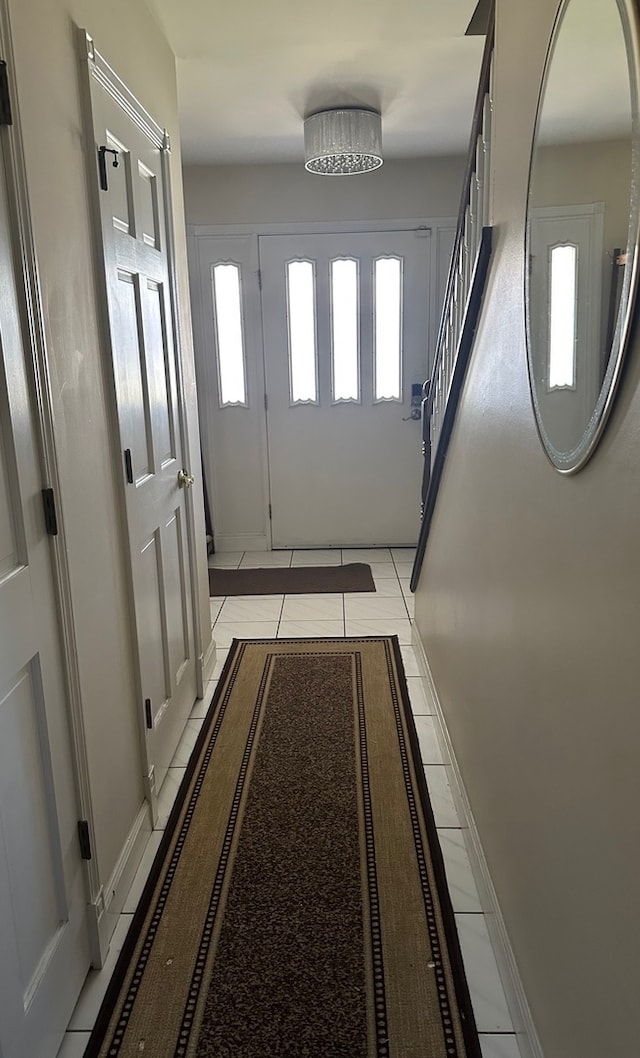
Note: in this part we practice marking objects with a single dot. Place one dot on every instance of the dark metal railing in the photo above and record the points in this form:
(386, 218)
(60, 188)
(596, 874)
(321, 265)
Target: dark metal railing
(462, 301)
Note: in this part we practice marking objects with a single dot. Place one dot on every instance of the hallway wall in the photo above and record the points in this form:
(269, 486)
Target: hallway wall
(529, 606)
(47, 69)
(287, 194)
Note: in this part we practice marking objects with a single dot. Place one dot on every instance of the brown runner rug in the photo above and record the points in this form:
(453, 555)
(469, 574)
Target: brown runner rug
(291, 580)
(297, 907)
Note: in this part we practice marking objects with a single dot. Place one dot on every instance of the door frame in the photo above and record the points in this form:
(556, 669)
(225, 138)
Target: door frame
(95, 70)
(37, 361)
(196, 232)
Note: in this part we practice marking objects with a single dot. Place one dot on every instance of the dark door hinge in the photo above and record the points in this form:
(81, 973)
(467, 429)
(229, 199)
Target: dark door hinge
(102, 165)
(84, 839)
(50, 516)
(270, 511)
(128, 465)
(6, 117)
(266, 402)
(259, 279)
(148, 715)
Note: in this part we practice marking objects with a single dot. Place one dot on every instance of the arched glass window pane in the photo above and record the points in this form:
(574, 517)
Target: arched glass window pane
(301, 306)
(227, 308)
(388, 328)
(344, 330)
(562, 317)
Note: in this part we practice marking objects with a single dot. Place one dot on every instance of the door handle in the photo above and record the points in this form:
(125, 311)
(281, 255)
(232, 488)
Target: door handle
(185, 480)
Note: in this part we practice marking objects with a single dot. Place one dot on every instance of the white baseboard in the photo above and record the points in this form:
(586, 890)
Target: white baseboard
(241, 542)
(528, 1041)
(104, 912)
(209, 663)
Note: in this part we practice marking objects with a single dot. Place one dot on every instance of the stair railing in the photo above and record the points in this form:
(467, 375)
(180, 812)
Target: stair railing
(463, 299)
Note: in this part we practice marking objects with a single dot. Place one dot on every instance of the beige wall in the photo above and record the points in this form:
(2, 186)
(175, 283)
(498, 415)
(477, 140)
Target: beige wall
(580, 173)
(271, 194)
(529, 609)
(47, 70)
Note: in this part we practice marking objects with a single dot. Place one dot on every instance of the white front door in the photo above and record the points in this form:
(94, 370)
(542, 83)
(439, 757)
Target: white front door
(346, 336)
(145, 372)
(44, 951)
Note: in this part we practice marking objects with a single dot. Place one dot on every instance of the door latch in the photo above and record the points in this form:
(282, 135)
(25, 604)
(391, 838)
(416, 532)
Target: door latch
(416, 403)
(185, 480)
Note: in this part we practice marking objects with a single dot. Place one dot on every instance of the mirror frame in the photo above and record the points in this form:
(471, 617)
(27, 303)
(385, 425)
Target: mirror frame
(572, 461)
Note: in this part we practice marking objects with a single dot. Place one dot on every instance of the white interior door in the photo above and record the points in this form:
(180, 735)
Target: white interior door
(44, 952)
(346, 336)
(145, 373)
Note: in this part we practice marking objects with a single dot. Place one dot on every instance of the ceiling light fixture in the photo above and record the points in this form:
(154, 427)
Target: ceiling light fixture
(343, 142)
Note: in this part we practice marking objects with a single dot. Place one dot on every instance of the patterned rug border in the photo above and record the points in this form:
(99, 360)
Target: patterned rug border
(463, 998)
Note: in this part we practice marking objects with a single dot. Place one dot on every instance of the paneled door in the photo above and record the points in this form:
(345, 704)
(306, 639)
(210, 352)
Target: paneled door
(135, 232)
(44, 950)
(346, 338)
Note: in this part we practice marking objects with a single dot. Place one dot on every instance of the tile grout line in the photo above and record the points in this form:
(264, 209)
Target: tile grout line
(508, 1033)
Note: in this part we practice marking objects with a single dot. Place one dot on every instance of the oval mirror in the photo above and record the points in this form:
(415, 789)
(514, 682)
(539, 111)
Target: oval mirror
(582, 224)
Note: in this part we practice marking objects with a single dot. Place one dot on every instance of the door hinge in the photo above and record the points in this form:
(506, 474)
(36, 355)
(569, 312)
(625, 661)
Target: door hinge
(270, 511)
(266, 402)
(259, 279)
(128, 465)
(148, 715)
(84, 839)
(5, 99)
(50, 516)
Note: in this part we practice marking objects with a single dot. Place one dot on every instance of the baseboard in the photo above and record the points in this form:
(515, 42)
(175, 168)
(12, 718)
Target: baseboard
(528, 1040)
(241, 542)
(104, 912)
(209, 663)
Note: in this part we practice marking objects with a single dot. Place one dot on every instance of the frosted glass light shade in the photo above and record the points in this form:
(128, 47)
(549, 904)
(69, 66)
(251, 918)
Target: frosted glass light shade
(343, 142)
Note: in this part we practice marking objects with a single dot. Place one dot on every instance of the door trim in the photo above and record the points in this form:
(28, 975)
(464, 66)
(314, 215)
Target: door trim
(36, 349)
(324, 227)
(197, 232)
(95, 69)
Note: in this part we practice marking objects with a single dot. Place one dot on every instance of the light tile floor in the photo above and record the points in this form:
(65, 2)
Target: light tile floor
(388, 611)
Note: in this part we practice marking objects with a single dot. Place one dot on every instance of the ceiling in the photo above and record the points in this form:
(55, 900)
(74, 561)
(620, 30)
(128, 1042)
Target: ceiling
(249, 71)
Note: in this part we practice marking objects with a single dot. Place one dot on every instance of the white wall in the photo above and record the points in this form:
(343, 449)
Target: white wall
(529, 606)
(580, 173)
(287, 194)
(47, 69)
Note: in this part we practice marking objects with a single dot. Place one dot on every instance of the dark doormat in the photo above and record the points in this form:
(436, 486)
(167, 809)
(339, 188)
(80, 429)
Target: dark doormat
(291, 580)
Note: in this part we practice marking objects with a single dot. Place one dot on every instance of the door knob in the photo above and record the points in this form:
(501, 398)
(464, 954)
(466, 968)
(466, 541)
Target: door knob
(185, 480)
